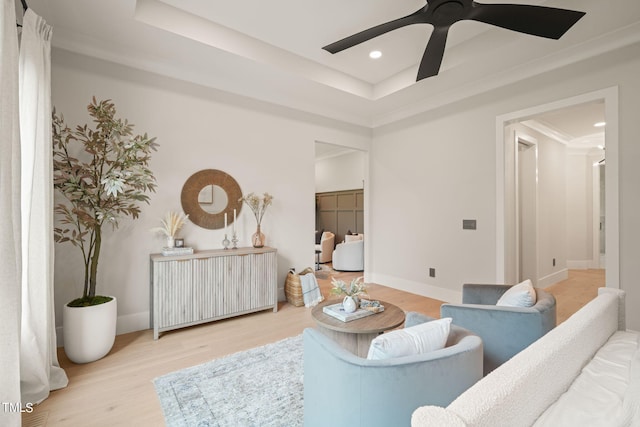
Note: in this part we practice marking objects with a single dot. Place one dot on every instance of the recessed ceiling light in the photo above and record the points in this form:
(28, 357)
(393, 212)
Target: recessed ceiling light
(375, 54)
(599, 124)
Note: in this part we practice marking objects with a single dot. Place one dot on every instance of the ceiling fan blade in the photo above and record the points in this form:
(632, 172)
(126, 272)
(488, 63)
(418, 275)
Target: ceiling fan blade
(539, 21)
(372, 32)
(432, 58)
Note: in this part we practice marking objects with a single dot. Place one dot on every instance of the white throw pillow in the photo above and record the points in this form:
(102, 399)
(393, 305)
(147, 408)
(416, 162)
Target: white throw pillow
(521, 295)
(418, 339)
(352, 238)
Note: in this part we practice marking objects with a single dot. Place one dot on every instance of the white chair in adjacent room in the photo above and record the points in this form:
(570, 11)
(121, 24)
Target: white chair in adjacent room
(349, 255)
(326, 245)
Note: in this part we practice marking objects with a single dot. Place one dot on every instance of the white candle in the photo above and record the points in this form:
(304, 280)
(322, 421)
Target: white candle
(225, 220)
(234, 220)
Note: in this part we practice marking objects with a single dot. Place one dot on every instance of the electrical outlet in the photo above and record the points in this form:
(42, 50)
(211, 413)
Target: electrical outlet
(469, 224)
(554, 262)
(432, 272)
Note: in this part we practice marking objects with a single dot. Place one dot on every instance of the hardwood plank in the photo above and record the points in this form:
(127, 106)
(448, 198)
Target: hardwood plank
(572, 294)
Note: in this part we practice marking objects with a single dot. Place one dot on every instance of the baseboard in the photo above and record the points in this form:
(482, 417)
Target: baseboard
(553, 278)
(584, 264)
(125, 324)
(136, 322)
(132, 322)
(419, 288)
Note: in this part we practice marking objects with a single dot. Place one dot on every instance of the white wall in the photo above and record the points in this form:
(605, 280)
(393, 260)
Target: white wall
(442, 164)
(343, 172)
(552, 211)
(264, 148)
(427, 175)
(441, 167)
(580, 207)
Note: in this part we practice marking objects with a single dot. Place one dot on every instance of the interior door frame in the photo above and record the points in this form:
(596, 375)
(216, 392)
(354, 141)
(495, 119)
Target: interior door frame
(595, 263)
(612, 239)
(533, 144)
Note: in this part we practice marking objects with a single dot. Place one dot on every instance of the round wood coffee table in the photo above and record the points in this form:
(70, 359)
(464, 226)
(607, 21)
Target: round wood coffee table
(356, 335)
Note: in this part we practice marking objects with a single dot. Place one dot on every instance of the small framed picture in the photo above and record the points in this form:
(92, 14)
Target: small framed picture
(179, 243)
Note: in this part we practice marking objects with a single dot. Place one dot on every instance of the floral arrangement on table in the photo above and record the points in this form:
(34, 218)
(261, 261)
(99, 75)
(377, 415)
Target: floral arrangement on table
(356, 288)
(352, 292)
(171, 224)
(258, 207)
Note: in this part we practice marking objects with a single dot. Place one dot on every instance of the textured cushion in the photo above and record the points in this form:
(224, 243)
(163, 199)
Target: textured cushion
(418, 339)
(631, 404)
(602, 394)
(520, 295)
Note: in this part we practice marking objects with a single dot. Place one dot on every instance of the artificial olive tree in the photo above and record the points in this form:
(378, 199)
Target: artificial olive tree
(103, 174)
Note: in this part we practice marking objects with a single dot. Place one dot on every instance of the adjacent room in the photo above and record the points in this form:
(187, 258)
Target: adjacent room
(340, 195)
(293, 213)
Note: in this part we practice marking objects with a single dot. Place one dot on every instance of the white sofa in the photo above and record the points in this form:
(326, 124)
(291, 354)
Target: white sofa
(349, 255)
(585, 372)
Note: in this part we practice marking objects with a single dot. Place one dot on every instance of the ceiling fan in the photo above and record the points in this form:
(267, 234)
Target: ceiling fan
(539, 21)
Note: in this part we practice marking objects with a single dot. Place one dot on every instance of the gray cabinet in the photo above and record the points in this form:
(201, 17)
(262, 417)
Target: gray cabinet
(210, 285)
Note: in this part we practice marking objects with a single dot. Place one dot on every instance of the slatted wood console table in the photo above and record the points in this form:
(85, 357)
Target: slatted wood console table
(210, 285)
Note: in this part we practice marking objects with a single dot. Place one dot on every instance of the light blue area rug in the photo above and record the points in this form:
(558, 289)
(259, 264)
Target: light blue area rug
(257, 387)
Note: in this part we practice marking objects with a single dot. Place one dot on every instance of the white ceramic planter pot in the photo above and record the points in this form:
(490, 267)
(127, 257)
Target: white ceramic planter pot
(89, 332)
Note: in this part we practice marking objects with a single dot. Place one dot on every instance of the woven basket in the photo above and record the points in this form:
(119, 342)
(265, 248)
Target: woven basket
(293, 288)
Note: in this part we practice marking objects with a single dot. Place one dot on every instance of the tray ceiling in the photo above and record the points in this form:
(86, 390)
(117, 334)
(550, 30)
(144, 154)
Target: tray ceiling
(272, 51)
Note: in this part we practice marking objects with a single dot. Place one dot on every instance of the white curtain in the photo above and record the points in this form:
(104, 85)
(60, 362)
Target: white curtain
(39, 369)
(10, 222)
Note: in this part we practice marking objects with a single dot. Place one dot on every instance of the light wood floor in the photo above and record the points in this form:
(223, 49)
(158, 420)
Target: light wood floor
(118, 389)
(573, 293)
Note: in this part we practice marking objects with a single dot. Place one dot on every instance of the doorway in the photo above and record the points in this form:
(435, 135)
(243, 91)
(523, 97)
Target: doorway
(510, 265)
(341, 202)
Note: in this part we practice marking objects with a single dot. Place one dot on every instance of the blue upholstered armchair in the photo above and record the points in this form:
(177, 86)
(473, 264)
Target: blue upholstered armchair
(342, 389)
(505, 331)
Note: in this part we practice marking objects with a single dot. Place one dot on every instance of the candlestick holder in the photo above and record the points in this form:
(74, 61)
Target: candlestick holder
(234, 239)
(225, 242)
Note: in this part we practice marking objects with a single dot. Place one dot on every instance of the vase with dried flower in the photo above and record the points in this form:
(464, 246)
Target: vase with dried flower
(171, 224)
(258, 206)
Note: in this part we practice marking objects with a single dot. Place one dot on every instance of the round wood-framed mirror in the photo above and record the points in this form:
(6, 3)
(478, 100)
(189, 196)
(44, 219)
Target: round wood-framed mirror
(207, 195)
